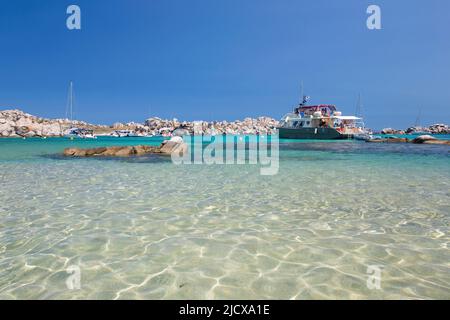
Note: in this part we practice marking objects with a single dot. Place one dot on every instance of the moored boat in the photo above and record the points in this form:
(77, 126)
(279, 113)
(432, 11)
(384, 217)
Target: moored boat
(322, 121)
(80, 133)
(125, 134)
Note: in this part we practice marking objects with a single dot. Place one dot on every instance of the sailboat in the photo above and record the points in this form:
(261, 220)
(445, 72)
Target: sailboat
(364, 134)
(418, 129)
(74, 132)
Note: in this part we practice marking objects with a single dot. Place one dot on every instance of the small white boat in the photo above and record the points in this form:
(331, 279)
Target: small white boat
(124, 133)
(73, 133)
(165, 132)
(363, 136)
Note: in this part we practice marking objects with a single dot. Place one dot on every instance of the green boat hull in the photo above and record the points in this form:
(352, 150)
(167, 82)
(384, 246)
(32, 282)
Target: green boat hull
(312, 133)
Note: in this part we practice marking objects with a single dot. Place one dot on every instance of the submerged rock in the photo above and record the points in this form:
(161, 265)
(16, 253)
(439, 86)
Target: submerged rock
(427, 139)
(447, 142)
(423, 138)
(389, 140)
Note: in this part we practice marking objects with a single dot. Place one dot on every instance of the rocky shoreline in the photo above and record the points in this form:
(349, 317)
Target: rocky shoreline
(16, 123)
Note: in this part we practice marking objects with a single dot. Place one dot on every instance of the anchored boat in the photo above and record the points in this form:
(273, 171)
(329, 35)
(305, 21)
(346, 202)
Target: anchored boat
(73, 133)
(322, 121)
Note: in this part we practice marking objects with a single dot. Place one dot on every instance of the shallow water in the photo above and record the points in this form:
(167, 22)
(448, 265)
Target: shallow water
(145, 228)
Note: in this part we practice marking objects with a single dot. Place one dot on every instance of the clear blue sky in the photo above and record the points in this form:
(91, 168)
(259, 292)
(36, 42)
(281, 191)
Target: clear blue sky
(226, 59)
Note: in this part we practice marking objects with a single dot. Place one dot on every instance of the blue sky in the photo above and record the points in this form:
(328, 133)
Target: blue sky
(226, 59)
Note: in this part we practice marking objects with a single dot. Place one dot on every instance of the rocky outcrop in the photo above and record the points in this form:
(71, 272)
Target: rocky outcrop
(392, 131)
(118, 151)
(439, 128)
(247, 126)
(424, 139)
(167, 148)
(433, 129)
(16, 123)
(427, 139)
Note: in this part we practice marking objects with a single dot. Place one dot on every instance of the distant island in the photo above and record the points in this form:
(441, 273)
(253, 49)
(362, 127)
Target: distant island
(17, 123)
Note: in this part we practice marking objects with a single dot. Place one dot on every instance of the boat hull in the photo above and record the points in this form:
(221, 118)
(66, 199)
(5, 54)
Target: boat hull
(311, 133)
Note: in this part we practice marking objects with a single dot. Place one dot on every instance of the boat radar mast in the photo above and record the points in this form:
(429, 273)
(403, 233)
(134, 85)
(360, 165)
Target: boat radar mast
(304, 99)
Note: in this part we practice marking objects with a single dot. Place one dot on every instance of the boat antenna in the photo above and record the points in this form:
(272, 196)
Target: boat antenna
(303, 98)
(301, 92)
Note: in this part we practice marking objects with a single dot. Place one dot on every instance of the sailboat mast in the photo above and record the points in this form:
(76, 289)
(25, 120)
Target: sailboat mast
(418, 118)
(71, 100)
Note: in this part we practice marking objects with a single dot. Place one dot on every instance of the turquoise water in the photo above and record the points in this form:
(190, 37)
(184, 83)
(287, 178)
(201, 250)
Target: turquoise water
(146, 228)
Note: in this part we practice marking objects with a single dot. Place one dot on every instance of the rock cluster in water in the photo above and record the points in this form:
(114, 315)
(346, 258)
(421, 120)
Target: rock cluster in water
(423, 139)
(167, 147)
(433, 129)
